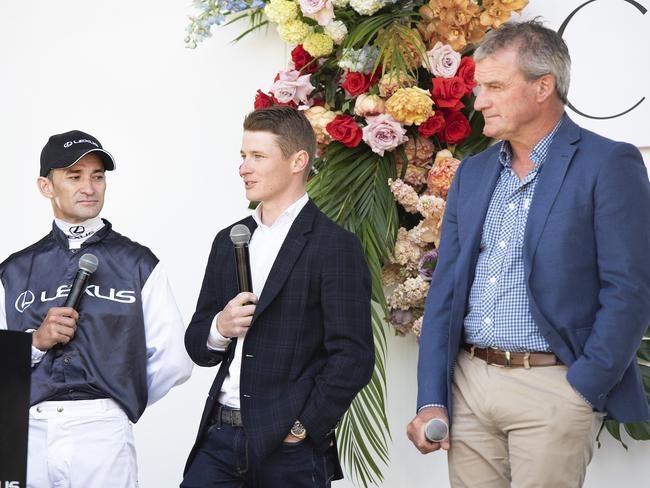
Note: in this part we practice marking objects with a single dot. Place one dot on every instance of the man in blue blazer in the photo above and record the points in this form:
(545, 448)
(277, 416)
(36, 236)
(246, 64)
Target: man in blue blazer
(294, 353)
(541, 293)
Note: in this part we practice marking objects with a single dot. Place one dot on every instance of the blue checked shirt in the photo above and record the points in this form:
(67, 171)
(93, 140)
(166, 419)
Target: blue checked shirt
(498, 313)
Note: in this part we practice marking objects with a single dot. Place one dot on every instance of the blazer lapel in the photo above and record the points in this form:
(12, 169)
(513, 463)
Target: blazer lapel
(287, 256)
(550, 177)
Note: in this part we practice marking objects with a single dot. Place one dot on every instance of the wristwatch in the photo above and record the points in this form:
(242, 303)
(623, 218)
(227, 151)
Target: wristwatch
(298, 430)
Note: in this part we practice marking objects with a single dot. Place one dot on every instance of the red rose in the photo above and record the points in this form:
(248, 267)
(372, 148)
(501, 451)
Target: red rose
(344, 129)
(302, 59)
(456, 129)
(447, 92)
(290, 103)
(432, 126)
(317, 102)
(356, 83)
(466, 73)
(262, 100)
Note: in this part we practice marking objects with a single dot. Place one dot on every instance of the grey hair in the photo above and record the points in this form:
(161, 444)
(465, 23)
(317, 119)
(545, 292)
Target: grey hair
(540, 51)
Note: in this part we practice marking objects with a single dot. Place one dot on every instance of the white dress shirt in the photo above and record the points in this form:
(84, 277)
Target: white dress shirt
(264, 247)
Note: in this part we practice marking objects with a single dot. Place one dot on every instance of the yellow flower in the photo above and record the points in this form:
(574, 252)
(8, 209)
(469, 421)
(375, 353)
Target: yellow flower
(281, 11)
(318, 45)
(410, 105)
(293, 31)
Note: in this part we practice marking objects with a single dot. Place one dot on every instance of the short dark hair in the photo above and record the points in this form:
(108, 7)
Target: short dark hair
(293, 130)
(540, 51)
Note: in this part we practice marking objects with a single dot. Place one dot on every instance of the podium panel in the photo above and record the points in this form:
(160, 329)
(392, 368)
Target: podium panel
(15, 375)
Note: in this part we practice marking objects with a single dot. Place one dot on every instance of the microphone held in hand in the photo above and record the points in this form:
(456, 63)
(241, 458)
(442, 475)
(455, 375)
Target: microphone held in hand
(436, 430)
(240, 236)
(87, 265)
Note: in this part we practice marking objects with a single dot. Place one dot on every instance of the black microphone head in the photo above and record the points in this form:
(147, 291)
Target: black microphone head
(88, 263)
(240, 235)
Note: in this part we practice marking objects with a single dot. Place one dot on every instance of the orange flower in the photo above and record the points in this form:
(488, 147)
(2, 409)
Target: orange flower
(495, 14)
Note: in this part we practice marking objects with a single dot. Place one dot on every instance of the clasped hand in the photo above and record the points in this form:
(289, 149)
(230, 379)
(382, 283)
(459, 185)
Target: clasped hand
(236, 317)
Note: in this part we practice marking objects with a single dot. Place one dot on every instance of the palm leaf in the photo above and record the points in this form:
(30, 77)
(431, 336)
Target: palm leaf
(351, 188)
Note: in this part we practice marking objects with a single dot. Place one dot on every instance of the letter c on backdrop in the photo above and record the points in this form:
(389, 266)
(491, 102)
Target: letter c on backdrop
(561, 30)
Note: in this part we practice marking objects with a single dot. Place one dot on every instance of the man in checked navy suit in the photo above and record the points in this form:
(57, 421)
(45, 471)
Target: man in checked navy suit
(541, 294)
(293, 354)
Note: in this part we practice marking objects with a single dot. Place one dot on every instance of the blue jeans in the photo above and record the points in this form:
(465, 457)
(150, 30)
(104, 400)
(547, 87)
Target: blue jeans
(224, 460)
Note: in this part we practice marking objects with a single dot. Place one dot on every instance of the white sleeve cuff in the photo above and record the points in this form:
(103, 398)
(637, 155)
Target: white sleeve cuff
(37, 355)
(438, 405)
(216, 341)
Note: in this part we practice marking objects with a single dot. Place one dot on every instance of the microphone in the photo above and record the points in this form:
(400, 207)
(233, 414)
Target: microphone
(240, 237)
(87, 265)
(436, 430)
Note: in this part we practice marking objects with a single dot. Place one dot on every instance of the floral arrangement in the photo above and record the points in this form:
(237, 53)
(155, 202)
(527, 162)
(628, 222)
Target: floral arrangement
(388, 86)
(354, 96)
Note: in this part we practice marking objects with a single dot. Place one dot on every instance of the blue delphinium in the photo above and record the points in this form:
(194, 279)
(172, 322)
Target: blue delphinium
(214, 12)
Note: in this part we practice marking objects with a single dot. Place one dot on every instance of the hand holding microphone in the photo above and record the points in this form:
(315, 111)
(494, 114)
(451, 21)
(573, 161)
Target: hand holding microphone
(236, 317)
(429, 430)
(60, 323)
(436, 430)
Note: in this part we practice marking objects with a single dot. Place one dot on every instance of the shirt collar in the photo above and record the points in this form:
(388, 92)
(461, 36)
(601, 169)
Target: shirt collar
(289, 214)
(537, 154)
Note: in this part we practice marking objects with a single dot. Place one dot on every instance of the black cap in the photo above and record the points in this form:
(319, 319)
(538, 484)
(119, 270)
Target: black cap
(64, 150)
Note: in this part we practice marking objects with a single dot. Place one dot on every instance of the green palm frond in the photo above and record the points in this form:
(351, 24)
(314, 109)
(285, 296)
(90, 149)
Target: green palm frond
(368, 27)
(256, 21)
(401, 49)
(351, 188)
(391, 33)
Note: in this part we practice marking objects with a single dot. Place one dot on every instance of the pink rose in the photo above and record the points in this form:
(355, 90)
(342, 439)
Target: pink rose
(322, 11)
(443, 60)
(290, 86)
(383, 133)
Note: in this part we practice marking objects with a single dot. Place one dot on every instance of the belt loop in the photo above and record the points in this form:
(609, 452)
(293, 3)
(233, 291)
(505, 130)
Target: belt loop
(471, 352)
(527, 360)
(507, 363)
(219, 412)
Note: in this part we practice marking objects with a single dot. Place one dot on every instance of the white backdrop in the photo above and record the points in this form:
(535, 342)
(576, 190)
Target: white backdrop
(172, 119)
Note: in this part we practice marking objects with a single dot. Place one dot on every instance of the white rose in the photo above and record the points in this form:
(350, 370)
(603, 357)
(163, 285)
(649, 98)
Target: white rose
(443, 60)
(337, 30)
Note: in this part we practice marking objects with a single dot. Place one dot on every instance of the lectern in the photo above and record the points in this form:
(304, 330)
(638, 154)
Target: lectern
(15, 374)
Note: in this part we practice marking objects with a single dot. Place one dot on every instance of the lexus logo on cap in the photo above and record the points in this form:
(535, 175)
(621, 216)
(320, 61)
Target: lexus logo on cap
(79, 141)
(24, 300)
(77, 229)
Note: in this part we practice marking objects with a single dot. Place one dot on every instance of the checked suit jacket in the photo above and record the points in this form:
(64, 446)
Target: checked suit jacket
(309, 349)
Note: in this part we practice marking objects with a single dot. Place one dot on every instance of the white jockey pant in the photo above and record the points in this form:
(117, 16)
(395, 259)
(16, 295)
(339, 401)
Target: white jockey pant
(80, 444)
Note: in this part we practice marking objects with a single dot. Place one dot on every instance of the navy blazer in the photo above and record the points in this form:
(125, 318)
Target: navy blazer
(310, 346)
(587, 268)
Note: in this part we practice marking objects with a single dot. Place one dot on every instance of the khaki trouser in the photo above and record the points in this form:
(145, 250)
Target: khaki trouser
(525, 428)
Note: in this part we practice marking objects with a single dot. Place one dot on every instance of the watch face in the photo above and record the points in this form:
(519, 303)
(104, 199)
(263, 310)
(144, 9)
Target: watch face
(298, 430)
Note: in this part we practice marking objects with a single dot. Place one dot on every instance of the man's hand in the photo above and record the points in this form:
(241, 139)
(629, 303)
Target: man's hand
(292, 439)
(235, 319)
(58, 327)
(415, 430)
